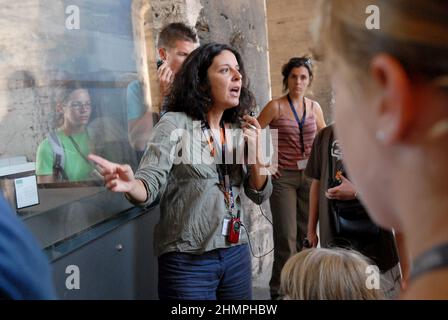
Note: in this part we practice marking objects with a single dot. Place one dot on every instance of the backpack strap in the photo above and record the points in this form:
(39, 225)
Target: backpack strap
(59, 156)
(331, 180)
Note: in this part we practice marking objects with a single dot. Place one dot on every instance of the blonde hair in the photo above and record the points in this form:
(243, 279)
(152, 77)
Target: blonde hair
(327, 274)
(415, 32)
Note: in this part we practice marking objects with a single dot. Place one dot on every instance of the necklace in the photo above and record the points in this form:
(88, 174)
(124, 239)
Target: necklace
(432, 259)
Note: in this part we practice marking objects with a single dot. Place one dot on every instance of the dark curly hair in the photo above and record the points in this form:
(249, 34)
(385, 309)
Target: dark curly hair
(191, 91)
(296, 62)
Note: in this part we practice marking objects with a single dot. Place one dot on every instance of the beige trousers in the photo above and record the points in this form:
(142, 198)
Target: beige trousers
(289, 207)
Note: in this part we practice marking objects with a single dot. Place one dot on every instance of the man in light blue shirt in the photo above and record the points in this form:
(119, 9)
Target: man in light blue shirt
(176, 41)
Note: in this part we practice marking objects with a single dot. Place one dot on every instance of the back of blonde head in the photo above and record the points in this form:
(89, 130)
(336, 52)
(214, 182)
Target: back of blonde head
(327, 274)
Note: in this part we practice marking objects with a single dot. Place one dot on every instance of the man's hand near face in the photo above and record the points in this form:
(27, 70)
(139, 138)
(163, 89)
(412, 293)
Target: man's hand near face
(166, 77)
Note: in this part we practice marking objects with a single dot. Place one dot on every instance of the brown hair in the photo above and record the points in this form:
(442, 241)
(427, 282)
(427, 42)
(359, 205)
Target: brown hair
(415, 32)
(175, 31)
(296, 62)
(67, 88)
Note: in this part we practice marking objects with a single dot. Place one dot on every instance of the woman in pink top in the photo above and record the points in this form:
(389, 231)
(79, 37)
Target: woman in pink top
(297, 120)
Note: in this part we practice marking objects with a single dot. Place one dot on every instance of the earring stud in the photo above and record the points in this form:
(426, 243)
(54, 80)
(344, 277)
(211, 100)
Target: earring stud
(380, 136)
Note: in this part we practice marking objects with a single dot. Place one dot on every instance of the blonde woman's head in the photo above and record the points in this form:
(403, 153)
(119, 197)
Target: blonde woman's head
(327, 274)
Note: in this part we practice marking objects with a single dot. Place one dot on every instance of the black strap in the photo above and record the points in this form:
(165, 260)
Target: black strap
(434, 258)
(301, 123)
(331, 171)
(333, 182)
(79, 150)
(58, 151)
(223, 171)
(58, 170)
(331, 174)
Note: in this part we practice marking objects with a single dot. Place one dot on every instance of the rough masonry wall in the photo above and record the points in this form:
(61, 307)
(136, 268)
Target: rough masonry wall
(289, 23)
(24, 97)
(241, 24)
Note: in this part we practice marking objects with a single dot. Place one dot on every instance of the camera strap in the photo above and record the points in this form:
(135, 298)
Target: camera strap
(301, 123)
(333, 174)
(78, 149)
(223, 172)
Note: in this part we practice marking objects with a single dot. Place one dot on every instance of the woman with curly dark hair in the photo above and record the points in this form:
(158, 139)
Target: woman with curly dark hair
(202, 254)
(192, 92)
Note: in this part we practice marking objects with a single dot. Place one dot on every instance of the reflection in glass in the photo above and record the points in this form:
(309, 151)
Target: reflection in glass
(62, 156)
(68, 80)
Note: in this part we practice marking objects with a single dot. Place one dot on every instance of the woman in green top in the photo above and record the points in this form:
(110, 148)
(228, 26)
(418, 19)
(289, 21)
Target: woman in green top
(62, 155)
(200, 255)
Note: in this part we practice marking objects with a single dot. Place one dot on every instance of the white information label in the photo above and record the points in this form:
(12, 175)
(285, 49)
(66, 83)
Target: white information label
(225, 227)
(302, 164)
(26, 192)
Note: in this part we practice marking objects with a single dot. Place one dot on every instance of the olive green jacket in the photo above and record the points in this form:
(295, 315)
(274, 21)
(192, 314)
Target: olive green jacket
(192, 205)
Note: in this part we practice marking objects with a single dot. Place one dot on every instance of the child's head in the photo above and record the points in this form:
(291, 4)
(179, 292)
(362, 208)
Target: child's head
(75, 104)
(327, 274)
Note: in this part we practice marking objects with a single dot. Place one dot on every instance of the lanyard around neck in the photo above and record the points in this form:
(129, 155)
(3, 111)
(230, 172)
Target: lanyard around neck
(301, 123)
(211, 141)
(222, 169)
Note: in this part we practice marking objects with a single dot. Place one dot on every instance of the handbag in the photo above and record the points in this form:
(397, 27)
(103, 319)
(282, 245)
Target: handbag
(351, 219)
(349, 216)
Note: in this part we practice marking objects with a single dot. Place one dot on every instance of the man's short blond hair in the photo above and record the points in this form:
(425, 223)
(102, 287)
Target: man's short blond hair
(176, 31)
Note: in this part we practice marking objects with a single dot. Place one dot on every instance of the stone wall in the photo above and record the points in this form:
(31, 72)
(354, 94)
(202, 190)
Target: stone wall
(289, 33)
(241, 24)
(24, 98)
(235, 22)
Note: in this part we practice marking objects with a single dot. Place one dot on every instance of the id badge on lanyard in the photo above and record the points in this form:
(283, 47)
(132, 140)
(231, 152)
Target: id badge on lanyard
(301, 123)
(230, 227)
(223, 174)
(302, 164)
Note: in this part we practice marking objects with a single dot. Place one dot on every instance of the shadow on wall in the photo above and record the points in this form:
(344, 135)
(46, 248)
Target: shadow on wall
(25, 119)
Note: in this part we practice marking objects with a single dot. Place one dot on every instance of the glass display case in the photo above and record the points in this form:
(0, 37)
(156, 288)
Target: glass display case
(65, 70)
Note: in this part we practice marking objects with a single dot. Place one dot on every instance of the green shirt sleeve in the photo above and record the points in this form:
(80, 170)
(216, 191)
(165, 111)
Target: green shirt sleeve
(257, 196)
(158, 159)
(44, 159)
